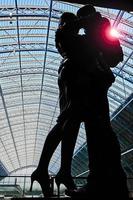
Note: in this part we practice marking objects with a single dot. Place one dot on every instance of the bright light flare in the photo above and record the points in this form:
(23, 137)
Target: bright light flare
(114, 33)
(111, 34)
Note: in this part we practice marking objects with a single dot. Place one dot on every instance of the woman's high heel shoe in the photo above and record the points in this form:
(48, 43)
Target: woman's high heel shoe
(44, 182)
(65, 180)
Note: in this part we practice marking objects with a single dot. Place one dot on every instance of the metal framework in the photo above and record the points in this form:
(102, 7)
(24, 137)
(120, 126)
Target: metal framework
(28, 77)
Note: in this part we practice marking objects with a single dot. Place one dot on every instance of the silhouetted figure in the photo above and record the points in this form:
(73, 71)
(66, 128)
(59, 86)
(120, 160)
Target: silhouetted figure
(55, 135)
(106, 176)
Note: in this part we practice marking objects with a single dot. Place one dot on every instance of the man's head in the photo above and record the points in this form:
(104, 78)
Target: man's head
(89, 19)
(85, 11)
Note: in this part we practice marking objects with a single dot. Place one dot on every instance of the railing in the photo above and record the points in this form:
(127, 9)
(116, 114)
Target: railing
(18, 186)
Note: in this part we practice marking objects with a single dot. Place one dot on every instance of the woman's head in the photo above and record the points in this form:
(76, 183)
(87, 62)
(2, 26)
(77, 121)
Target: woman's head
(67, 17)
(70, 21)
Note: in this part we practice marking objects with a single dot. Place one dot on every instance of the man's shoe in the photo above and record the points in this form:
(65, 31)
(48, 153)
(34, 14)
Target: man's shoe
(83, 192)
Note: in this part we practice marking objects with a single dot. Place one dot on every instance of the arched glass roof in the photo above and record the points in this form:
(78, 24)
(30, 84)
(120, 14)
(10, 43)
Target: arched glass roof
(29, 63)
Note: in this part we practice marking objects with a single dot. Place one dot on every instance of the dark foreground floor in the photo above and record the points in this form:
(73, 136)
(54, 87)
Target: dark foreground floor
(60, 198)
